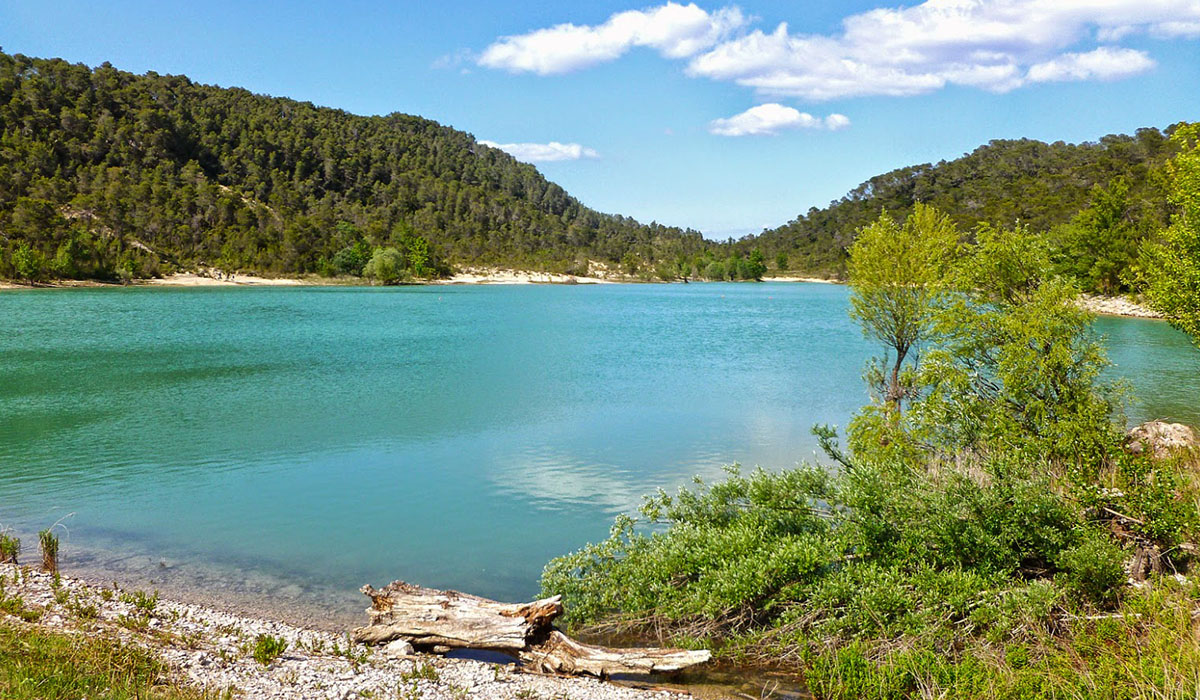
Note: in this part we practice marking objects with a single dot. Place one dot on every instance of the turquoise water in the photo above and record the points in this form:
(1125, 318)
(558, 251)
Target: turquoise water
(304, 441)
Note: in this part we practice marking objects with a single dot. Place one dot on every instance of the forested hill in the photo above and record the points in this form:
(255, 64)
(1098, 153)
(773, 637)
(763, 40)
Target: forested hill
(1045, 186)
(104, 173)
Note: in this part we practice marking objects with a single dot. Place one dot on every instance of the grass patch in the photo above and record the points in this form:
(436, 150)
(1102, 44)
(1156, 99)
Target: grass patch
(10, 547)
(423, 672)
(268, 648)
(49, 544)
(142, 601)
(41, 665)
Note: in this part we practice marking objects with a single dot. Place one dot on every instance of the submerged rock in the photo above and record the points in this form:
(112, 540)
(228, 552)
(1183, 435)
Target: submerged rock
(1160, 439)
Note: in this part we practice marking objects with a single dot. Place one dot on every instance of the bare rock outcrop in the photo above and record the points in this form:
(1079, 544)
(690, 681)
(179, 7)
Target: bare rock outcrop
(1159, 439)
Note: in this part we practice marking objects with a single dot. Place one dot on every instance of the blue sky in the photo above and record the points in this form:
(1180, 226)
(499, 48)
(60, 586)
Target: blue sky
(709, 115)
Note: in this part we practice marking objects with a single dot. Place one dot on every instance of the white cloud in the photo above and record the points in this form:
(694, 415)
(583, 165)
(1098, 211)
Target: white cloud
(837, 121)
(1188, 29)
(1102, 64)
(676, 31)
(544, 152)
(771, 118)
(995, 45)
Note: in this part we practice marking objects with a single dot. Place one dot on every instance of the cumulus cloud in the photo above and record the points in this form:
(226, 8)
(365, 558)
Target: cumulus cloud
(994, 45)
(1102, 64)
(771, 118)
(544, 152)
(674, 30)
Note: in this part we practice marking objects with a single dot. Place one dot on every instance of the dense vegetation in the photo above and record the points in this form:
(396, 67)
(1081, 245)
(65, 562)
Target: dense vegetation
(1172, 266)
(106, 174)
(109, 175)
(976, 537)
(37, 664)
(1096, 202)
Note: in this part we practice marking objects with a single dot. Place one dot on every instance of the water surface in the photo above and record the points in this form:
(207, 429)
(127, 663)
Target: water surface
(304, 441)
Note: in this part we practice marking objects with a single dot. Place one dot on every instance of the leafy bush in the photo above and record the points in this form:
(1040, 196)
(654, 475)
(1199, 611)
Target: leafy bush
(268, 648)
(959, 547)
(49, 544)
(1093, 569)
(10, 548)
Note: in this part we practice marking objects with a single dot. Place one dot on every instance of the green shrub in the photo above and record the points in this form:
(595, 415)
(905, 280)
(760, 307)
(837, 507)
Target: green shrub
(10, 548)
(268, 648)
(144, 602)
(49, 544)
(1094, 569)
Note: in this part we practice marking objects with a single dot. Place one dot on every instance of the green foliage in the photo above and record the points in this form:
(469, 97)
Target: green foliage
(1173, 266)
(10, 548)
(49, 545)
(105, 174)
(1094, 569)
(1100, 245)
(715, 270)
(729, 548)
(420, 672)
(1042, 185)
(960, 549)
(1016, 365)
(38, 664)
(29, 264)
(897, 273)
(142, 601)
(351, 260)
(386, 266)
(268, 648)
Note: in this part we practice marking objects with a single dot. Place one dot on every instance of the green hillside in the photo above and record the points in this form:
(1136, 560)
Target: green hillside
(1045, 186)
(107, 174)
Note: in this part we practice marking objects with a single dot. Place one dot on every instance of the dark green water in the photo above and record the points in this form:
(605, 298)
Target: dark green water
(305, 441)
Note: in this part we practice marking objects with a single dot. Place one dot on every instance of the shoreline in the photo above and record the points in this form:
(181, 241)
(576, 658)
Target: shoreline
(467, 276)
(1104, 306)
(212, 648)
(1116, 306)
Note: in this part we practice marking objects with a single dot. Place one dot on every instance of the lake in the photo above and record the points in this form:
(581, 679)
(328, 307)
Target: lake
(296, 443)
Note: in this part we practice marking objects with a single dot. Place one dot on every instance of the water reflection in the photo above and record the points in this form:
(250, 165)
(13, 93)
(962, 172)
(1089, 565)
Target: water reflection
(311, 440)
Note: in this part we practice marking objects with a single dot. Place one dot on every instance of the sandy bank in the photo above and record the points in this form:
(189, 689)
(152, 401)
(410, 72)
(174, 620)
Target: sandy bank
(214, 650)
(189, 279)
(789, 278)
(1116, 306)
(495, 275)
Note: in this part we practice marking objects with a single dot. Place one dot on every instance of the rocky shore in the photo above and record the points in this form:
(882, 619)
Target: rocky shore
(1116, 306)
(215, 650)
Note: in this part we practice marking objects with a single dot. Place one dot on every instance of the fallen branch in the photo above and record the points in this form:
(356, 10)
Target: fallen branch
(435, 620)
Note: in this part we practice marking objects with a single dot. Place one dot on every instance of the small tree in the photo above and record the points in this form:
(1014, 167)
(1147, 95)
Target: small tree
(781, 260)
(29, 263)
(386, 266)
(1173, 269)
(897, 272)
(756, 265)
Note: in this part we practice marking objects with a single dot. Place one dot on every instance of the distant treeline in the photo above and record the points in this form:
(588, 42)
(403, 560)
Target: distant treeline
(106, 174)
(1097, 202)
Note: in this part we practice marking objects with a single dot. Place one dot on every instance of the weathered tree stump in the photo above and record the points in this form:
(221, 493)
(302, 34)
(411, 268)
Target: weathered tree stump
(434, 620)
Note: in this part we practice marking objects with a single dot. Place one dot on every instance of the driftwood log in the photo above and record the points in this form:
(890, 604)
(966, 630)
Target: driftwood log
(439, 621)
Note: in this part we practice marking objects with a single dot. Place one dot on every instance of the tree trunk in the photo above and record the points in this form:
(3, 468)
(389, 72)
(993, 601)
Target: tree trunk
(434, 620)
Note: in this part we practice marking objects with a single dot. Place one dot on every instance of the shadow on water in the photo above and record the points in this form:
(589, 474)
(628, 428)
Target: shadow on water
(722, 681)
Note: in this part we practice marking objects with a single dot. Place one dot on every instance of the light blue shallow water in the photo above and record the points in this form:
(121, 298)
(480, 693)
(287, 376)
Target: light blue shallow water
(301, 442)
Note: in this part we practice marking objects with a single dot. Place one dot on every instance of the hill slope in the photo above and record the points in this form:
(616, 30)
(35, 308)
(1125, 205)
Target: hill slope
(103, 172)
(1039, 184)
